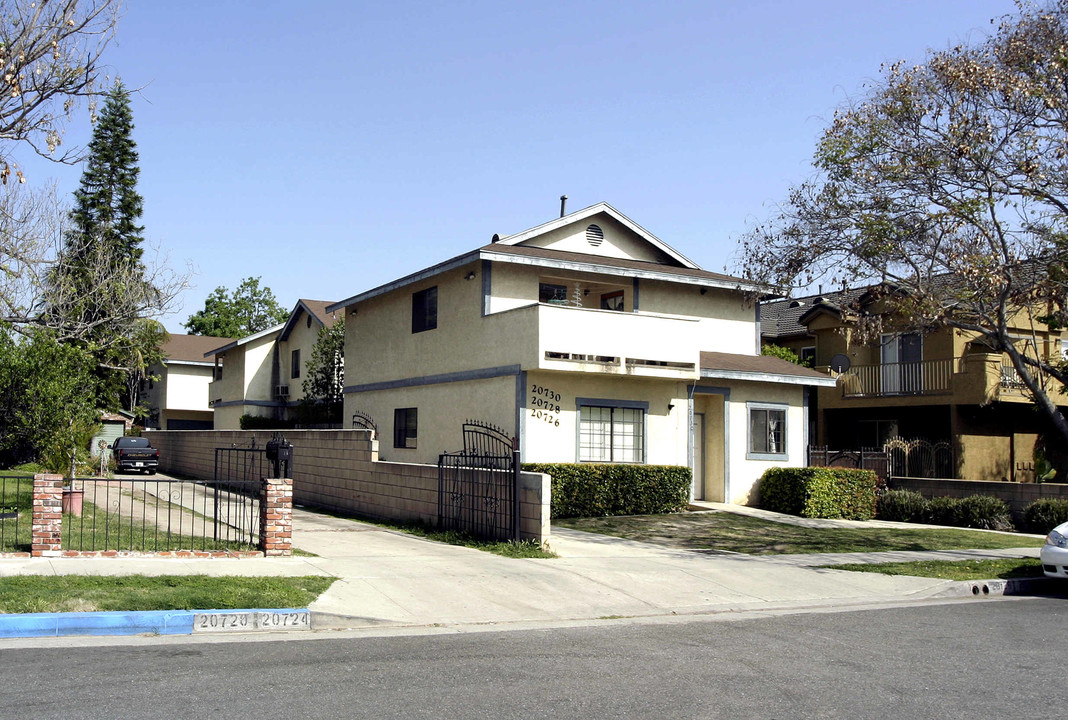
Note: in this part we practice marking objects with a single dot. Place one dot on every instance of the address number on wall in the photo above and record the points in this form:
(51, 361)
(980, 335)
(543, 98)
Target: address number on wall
(545, 405)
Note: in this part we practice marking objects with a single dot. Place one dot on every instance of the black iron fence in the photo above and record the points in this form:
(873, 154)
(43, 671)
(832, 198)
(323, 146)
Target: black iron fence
(864, 459)
(16, 508)
(153, 515)
(478, 488)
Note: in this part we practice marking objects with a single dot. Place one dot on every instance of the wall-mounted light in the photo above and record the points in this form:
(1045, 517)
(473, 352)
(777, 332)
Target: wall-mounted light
(704, 290)
(671, 406)
(470, 275)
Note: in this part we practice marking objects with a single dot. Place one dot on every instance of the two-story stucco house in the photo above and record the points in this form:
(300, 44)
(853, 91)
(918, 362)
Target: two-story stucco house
(263, 374)
(177, 389)
(946, 385)
(590, 339)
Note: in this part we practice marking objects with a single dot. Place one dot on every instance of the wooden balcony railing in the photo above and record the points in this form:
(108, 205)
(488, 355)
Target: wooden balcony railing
(929, 377)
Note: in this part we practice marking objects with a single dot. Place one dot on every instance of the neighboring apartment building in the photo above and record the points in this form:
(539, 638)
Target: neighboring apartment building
(177, 389)
(942, 386)
(589, 339)
(263, 374)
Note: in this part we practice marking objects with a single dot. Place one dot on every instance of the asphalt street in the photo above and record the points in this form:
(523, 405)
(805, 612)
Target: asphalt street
(954, 659)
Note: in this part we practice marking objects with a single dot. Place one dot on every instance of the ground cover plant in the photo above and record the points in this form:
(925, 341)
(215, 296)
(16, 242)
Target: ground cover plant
(978, 569)
(733, 533)
(75, 593)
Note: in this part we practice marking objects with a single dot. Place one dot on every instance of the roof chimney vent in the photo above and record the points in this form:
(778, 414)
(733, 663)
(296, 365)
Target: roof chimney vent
(563, 205)
(496, 238)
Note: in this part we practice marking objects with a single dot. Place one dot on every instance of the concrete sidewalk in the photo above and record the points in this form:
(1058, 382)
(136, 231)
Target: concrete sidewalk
(391, 578)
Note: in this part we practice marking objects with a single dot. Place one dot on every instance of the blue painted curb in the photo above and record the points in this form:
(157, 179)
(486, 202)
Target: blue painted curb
(157, 622)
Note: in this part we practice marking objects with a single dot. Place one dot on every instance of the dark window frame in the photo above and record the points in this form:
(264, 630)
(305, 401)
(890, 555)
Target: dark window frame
(405, 428)
(294, 362)
(425, 310)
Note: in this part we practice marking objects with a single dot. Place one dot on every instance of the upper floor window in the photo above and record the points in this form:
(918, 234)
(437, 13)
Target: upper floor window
(425, 309)
(553, 294)
(808, 356)
(294, 364)
(612, 301)
(767, 431)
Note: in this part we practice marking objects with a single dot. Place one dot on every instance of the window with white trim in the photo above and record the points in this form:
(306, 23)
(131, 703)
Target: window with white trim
(609, 433)
(767, 430)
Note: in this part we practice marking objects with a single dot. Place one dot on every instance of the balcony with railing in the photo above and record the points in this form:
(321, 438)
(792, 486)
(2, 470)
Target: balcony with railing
(928, 377)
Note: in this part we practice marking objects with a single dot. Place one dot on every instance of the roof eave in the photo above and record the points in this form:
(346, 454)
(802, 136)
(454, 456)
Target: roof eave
(766, 377)
(451, 264)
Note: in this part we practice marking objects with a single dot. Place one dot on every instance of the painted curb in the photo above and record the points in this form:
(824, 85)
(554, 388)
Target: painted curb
(154, 622)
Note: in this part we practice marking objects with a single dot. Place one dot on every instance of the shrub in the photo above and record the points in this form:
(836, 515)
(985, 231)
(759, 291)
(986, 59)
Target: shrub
(942, 511)
(1041, 516)
(595, 490)
(819, 492)
(902, 506)
(984, 512)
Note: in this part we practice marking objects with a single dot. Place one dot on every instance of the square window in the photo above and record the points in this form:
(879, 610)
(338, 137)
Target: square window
(611, 434)
(405, 427)
(767, 430)
(808, 356)
(294, 363)
(552, 294)
(425, 310)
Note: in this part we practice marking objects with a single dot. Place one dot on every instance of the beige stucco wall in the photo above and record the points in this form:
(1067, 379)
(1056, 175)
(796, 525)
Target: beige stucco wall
(303, 338)
(619, 241)
(231, 386)
(442, 410)
(258, 367)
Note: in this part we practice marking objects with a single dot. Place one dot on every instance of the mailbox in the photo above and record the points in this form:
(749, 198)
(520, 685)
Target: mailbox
(280, 455)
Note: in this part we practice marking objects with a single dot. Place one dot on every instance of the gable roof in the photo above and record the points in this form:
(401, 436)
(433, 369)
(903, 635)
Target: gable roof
(190, 348)
(509, 250)
(317, 309)
(601, 207)
(245, 340)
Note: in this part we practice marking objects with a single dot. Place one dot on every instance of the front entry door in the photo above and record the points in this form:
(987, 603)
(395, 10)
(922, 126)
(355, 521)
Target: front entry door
(698, 456)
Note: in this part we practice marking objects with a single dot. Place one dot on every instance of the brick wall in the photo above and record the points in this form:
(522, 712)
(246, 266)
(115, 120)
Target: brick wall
(1017, 495)
(339, 470)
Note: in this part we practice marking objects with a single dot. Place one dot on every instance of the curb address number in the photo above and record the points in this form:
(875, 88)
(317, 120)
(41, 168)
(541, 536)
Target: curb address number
(251, 621)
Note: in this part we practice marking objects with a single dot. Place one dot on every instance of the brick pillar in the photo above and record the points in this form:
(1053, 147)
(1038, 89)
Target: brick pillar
(47, 524)
(276, 517)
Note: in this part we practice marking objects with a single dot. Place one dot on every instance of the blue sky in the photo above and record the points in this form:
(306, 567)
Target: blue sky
(333, 146)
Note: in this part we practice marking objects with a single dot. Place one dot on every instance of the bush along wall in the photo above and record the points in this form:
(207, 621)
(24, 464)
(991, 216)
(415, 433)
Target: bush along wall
(975, 511)
(819, 492)
(597, 490)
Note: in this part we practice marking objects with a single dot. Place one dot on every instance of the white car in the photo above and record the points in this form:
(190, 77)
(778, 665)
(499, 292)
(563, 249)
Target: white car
(1054, 553)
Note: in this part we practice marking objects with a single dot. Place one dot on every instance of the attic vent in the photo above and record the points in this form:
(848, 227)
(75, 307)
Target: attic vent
(796, 303)
(594, 235)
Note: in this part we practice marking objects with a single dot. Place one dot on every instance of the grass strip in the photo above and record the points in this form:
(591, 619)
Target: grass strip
(985, 569)
(76, 593)
(729, 532)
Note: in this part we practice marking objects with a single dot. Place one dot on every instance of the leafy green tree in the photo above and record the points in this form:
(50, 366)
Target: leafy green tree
(44, 406)
(248, 310)
(783, 353)
(947, 187)
(324, 385)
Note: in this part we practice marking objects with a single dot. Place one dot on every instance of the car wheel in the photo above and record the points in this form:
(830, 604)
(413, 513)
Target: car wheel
(151, 471)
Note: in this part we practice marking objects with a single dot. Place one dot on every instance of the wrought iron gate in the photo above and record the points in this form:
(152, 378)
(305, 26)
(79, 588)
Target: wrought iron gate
(478, 487)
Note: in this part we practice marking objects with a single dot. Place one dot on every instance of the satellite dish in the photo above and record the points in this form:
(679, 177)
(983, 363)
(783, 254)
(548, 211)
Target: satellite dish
(840, 363)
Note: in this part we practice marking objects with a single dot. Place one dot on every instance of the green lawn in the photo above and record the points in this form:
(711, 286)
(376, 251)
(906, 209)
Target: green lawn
(728, 532)
(75, 593)
(980, 569)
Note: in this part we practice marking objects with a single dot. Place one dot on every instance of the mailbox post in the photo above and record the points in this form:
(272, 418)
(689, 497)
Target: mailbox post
(280, 455)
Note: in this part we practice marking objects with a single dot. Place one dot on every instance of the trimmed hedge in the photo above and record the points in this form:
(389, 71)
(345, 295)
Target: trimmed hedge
(1041, 516)
(597, 490)
(820, 492)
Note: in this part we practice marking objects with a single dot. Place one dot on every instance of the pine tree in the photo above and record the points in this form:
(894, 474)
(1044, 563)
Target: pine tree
(100, 265)
(108, 207)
